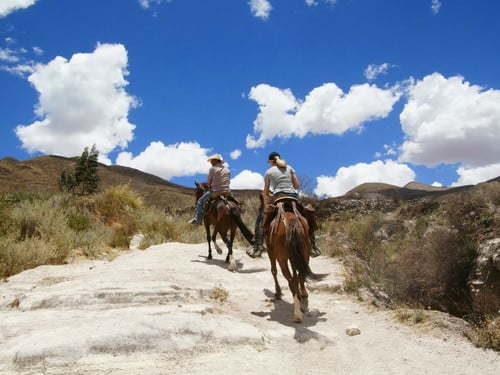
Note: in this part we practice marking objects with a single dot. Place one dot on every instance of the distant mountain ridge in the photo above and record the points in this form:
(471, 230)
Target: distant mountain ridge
(42, 174)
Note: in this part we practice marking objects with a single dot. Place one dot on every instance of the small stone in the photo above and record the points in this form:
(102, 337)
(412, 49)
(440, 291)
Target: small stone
(352, 331)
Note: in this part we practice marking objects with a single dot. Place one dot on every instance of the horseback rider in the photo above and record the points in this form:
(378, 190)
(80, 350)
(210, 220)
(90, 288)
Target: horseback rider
(218, 184)
(283, 181)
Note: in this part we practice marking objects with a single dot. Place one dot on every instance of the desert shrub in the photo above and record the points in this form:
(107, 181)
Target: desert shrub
(79, 221)
(48, 222)
(115, 204)
(432, 272)
(17, 256)
(363, 236)
(93, 241)
(487, 334)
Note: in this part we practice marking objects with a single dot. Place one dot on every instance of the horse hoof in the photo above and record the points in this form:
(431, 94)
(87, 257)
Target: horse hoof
(209, 257)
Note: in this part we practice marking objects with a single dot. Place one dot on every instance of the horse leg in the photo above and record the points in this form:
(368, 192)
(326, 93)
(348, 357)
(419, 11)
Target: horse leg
(230, 259)
(274, 271)
(207, 229)
(217, 247)
(304, 296)
(293, 284)
(229, 246)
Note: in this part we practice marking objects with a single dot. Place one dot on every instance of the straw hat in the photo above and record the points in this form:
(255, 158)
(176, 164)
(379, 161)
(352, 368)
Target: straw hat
(215, 157)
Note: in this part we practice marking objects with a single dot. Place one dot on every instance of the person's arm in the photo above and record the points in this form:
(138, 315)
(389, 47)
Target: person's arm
(266, 194)
(210, 178)
(295, 181)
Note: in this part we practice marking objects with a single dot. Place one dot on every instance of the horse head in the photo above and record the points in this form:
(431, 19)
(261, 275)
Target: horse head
(201, 188)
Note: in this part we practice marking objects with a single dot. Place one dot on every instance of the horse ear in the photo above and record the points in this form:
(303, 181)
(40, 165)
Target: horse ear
(196, 184)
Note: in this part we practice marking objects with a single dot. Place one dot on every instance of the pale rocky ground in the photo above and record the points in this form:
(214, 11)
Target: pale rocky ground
(156, 312)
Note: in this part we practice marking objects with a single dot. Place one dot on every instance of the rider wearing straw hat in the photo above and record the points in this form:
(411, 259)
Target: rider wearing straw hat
(218, 182)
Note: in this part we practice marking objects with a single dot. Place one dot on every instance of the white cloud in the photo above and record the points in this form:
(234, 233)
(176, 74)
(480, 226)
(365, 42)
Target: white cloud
(247, 180)
(435, 6)
(325, 110)
(235, 154)
(168, 161)
(437, 184)
(9, 6)
(388, 171)
(146, 4)
(472, 176)
(372, 71)
(448, 120)
(315, 2)
(81, 102)
(38, 51)
(260, 8)
(8, 55)
(20, 70)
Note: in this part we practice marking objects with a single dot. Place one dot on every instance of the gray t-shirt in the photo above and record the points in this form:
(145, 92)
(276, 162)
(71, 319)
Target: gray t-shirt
(280, 179)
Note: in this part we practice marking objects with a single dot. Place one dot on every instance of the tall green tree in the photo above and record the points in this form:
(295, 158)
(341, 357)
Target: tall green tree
(85, 179)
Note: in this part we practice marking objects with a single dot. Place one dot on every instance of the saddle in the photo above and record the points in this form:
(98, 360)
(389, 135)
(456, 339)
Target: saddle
(224, 196)
(286, 203)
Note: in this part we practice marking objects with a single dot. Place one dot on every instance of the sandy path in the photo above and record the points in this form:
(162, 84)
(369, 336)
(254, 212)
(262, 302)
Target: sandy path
(154, 312)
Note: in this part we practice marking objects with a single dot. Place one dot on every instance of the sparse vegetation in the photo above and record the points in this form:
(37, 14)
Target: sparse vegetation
(37, 229)
(219, 293)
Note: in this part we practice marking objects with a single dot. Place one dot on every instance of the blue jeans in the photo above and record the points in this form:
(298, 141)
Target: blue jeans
(199, 205)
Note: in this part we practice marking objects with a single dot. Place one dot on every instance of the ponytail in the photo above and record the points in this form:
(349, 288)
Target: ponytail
(280, 162)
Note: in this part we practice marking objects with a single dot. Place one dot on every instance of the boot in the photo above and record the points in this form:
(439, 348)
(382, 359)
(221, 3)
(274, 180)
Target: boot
(257, 247)
(314, 248)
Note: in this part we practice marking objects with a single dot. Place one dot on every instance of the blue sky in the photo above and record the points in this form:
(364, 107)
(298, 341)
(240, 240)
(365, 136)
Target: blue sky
(348, 91)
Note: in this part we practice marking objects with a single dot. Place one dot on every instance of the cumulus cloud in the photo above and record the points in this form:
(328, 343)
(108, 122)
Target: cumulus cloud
(437, 184)
(9, 6)
(325, 110)
(315, 2)
(235, 154)
(8, 55)
(448, 120)
(372, 71)
(168, 161)
(472, 176)
(260, 8)
(38, 51)
(81, 102)
(247, 180)
(347, 178)
(146, 4)
(435, 6)
(20, 70)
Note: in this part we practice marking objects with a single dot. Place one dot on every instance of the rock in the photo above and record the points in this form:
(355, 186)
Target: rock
(352, 331)
(484, 279)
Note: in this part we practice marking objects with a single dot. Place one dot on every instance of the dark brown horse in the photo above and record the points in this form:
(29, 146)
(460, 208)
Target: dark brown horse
(287, 241)
(225, 216)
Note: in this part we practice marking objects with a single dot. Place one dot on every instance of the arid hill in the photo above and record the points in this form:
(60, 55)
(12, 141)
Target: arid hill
(42, 174)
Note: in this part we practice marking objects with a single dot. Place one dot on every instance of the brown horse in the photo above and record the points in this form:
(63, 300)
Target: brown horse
(224, 215)
(287, 240)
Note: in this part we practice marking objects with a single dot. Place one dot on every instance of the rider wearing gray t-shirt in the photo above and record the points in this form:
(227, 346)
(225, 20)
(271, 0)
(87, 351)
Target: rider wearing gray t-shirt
(280, 179)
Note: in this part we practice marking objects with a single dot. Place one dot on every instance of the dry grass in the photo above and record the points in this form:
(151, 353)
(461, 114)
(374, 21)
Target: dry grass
(487, 335)
(219, 293)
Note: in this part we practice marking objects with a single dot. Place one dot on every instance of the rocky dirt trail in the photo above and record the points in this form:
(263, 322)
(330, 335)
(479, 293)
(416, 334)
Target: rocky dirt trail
(162, 311)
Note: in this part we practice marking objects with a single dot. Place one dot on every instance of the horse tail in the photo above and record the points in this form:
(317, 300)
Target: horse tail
(235, 213)
(296, 244)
